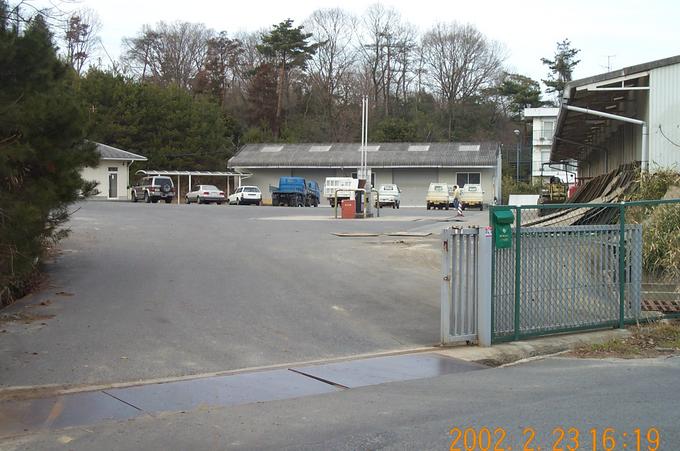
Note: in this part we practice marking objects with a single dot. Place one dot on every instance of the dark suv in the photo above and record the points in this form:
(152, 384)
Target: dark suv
(153, 189)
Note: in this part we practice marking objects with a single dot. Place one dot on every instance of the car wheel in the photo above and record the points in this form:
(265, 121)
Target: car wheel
(218, 202)
(398, 205)
(168, 200)
(428, 206)
(188, 202)
(198, 200)
(133, 196)
(147, 199)
(481, 207)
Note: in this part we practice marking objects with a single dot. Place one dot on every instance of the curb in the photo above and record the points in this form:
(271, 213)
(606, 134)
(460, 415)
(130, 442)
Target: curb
(507, 353)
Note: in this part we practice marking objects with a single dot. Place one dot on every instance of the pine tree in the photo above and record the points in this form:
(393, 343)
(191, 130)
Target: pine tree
(42, 146)
(561, 67)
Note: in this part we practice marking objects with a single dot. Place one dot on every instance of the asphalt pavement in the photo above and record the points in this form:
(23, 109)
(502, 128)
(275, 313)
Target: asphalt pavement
(525, 406)
(150, 291)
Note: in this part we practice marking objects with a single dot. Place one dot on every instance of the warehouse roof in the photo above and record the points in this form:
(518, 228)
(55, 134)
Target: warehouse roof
(380, 155)
(113, 153)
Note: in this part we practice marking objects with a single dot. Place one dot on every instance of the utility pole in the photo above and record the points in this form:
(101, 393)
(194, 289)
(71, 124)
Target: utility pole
(519, 139)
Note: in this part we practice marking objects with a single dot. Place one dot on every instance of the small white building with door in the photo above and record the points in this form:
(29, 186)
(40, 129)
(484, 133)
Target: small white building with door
(411, 166)
(112, 174)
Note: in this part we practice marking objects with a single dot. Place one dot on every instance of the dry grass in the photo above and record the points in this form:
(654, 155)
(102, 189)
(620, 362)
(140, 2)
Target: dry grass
(651, 340)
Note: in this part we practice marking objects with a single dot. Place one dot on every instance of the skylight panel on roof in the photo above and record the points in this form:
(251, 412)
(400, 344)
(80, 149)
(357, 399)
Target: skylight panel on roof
(271, 149)
(469, 148)
(370, 148)
(320, 148)
(418, 148)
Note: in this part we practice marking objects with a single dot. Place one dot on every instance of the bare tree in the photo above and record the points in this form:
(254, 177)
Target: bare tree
(329, 68)
(169, 53)
(387, 46)
(461, 62)
(81, 38)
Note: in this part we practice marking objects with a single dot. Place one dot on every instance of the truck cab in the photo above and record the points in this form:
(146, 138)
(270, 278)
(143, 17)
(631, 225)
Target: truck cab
(334, 184)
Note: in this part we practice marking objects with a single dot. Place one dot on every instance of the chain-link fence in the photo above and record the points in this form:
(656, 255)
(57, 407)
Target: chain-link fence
(586, 266)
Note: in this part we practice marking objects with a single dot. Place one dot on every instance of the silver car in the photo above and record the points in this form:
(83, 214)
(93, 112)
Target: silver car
(205, 194)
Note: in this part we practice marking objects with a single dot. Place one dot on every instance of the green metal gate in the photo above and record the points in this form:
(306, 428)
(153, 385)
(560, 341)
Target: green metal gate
(565, 278)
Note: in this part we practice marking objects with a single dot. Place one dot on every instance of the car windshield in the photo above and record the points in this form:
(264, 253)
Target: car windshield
(438, 188)
(251, 189)
(387, 188)
(210, 188)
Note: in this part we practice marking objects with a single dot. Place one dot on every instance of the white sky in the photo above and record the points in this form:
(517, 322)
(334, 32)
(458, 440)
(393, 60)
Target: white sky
(633, 31)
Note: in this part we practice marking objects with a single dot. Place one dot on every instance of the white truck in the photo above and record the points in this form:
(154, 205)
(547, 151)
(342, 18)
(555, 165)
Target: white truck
(333, 184)
(389, 194)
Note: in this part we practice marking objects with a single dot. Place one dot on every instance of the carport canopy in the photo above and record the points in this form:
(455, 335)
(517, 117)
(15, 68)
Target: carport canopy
(237, 175)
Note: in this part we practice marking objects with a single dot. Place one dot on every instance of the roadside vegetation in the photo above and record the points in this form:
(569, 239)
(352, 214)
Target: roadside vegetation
(646, 341)
(42, 148)
(661, 224)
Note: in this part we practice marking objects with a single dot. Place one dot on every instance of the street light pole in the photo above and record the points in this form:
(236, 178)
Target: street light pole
(519, 138)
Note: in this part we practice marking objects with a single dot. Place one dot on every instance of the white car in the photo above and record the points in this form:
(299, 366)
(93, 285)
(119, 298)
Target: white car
(389, 194)
(246, 195)
(204, 194)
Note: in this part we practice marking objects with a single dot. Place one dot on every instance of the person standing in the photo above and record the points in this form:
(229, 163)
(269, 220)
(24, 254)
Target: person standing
(457, 204)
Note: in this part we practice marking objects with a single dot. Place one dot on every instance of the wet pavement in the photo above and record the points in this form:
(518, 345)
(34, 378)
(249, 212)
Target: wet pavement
(89, 408)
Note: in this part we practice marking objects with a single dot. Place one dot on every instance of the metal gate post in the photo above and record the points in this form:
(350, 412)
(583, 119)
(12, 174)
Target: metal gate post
(622, 265)
(484, 290)
(445, 326)
(518, 266)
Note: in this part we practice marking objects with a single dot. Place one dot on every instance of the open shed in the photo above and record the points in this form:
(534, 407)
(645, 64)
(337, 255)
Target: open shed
(232, 178)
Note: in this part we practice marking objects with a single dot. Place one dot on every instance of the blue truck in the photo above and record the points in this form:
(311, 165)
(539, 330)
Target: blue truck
(295, 192)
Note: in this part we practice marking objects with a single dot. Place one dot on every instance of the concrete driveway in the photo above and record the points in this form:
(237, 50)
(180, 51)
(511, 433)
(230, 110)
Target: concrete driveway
(149, 291)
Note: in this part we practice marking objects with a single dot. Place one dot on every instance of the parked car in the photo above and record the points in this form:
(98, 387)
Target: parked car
(389, 194)
(438, 196)
(472, 196)
(246, 195)
(153, 189)
(205, 194)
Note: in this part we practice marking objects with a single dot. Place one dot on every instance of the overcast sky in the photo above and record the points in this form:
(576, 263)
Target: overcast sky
(630, 32)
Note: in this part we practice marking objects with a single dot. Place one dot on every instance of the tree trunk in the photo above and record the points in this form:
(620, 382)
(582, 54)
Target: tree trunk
(279, 102)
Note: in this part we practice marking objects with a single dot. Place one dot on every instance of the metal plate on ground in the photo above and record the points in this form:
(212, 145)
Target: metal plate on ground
(355, 234)
(221, 391)
(18, 417)
(360, 373)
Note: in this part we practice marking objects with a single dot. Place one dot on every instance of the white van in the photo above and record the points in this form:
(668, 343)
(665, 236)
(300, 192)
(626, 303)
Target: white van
(333, 184)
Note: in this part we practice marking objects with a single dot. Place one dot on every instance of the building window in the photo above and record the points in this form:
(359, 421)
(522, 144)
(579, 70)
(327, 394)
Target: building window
(547, 131)
(113, 169)
(545, 156)
(473, 178)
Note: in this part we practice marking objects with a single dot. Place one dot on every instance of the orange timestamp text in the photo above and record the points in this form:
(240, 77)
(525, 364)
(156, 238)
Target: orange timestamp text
(560, 439)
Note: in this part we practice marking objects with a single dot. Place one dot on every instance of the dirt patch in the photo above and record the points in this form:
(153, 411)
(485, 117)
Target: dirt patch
(23, 317)
(646, 341)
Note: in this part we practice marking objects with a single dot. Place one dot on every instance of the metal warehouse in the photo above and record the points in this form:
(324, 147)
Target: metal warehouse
(412, 166)
(631, 115)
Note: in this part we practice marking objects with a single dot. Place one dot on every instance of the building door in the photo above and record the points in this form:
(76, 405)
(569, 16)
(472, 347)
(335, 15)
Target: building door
(113, 183)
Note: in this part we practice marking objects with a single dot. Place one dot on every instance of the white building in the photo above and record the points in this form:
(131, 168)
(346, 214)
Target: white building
(112, 174)
(412, 166)
(627, 116)
(543, 130)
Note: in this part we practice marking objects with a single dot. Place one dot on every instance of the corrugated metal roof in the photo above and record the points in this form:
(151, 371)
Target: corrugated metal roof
(113, 153)
(340, 155)
(152, 172)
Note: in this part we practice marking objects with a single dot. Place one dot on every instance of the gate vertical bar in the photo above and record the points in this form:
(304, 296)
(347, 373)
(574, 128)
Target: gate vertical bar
(622, 263)
(446, 286)
(518, 259)
(485, 287)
